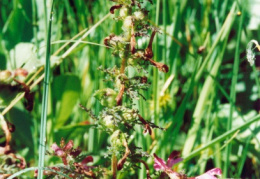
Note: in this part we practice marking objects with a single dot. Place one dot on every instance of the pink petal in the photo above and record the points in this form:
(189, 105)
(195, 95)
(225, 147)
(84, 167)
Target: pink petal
(159, 164)
(87, 160)
(69, 145)
(210, 174)
(57, 150)
(173, 159)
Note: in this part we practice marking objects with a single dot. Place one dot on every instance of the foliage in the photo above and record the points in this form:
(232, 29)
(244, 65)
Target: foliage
(205, 106)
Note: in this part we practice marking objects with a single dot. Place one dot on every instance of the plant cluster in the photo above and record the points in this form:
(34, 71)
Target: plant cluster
(119, 115)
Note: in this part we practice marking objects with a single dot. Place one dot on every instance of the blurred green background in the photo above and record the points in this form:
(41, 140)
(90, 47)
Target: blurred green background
(212, 88)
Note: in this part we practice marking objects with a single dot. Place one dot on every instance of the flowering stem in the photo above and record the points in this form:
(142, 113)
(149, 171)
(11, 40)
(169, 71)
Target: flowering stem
(114, 166)
(123, 159)
(122, 88)
(122, 69)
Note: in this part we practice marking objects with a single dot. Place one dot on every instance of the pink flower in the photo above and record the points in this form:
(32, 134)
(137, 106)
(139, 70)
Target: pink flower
(160, 164)
(210, 174)
(166, 167)
(64, 150)
(57, 150)
(86, 161)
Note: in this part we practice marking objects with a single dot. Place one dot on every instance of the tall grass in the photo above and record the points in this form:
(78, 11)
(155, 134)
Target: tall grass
(208, 109)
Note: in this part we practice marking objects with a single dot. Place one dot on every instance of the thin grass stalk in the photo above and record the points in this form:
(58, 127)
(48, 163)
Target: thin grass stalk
(175, 45)
(165, 30)
(233, 93)
(228, 21)
(34, 18)
(208, 132)
(45, 17)
(45, 100)
(155, 71)
(243, 157)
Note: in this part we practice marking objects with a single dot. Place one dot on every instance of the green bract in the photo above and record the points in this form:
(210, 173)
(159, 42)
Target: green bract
(107, 97)
(117, 139)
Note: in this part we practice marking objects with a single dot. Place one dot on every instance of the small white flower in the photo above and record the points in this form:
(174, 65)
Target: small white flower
(108, 120)
(250, 55)
(128, 22)
(139, 15)
(123, 12)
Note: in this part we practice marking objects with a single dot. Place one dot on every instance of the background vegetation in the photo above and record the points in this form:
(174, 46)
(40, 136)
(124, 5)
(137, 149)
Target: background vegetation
(209, 91)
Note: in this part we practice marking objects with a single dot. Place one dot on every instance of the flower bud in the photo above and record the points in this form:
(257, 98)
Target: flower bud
(5, 77)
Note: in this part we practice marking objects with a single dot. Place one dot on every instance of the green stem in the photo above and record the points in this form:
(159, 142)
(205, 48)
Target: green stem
(34, 17)
(233, 94)
(155, 71)
(45, 101)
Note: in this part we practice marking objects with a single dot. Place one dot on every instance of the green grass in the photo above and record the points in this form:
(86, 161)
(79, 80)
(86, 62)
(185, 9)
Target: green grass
(208, 109)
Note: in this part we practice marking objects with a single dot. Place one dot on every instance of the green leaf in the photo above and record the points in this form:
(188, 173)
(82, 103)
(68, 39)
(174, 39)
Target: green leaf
(66, 90)
(18, 27)
(71, 131)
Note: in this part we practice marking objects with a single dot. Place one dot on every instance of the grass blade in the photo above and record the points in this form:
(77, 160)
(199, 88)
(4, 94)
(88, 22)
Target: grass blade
(45, 100)
(233, 93)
